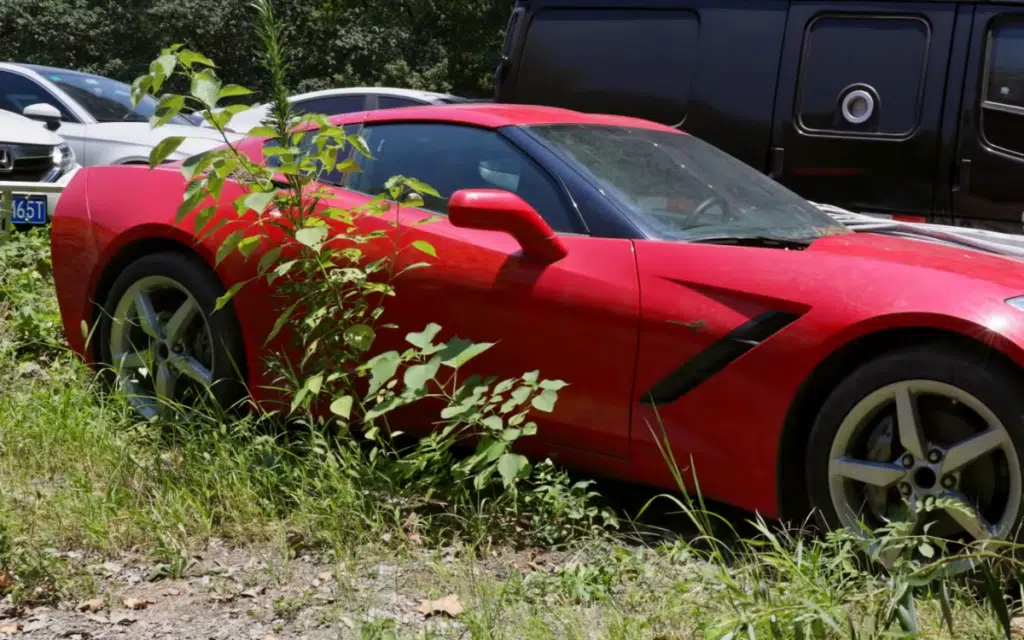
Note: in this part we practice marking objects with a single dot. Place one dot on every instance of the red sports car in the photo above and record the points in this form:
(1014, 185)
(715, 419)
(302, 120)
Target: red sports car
(793, 362)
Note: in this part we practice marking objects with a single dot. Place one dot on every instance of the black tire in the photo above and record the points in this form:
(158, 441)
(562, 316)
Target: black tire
(193, 274)
(988, 378)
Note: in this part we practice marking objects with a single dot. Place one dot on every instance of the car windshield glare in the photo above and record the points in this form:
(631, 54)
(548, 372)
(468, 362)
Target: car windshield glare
(107, 100)
(678, 187)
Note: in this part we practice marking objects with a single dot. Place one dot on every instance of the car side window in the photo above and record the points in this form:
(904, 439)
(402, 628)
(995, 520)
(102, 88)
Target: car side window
(18, 92)
(332, 105)
(1002, 112)
(391, 102)
(452, 157)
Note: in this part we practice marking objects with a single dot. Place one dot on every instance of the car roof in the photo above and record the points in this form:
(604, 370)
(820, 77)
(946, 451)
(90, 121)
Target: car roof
(397, 92)
(494, 116)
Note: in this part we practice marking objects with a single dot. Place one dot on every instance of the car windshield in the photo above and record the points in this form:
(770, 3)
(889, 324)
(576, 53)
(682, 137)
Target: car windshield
(105, 99)
(678, 187)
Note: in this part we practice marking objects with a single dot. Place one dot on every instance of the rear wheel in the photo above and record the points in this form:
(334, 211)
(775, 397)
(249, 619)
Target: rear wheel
(167, 349)
(922, 427)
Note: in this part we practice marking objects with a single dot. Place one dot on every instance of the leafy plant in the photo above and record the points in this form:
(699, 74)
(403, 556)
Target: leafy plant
(333, 290)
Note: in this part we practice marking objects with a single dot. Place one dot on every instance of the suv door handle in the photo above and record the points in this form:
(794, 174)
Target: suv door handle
(778, 154)
(963, 176)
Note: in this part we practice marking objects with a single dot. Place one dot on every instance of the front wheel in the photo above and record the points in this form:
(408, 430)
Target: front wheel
(166, 347)
(929, 433)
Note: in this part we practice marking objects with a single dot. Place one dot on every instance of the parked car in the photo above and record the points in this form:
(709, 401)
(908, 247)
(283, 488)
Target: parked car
(665, 281)
(95, 115)
(31, 153)
(346, 100)
(902, 108)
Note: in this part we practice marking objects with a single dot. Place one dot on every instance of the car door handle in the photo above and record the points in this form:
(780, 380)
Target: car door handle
(775, 163)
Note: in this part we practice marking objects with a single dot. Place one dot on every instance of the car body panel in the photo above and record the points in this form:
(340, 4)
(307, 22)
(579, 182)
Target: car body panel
(616, 318)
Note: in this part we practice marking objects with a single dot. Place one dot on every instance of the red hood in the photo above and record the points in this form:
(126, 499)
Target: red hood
(909, 254)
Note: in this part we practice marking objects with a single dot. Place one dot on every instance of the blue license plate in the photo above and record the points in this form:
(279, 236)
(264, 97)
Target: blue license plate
(29, 210)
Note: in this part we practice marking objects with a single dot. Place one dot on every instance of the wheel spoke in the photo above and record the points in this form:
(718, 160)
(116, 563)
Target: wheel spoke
(908, 424)
(965, 515)
(181, 319)
(877, 474)
(133, 360)
(192, 368)
(148, 319)
(165, 381)
(969, 450)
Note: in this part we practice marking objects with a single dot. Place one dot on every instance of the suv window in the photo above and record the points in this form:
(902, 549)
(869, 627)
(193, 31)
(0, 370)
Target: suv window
(332, 105)
(629, 62)
(1002, 112)
(452, 157)
(18, 92)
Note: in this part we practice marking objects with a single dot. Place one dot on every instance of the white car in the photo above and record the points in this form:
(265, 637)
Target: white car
(95, 115)
(348, 100)
(29, 152)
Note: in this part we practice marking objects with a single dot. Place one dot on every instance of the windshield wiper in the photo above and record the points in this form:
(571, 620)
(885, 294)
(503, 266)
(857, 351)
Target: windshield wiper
(757, 241)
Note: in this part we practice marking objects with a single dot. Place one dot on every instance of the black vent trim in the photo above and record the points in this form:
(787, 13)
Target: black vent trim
(718, 356)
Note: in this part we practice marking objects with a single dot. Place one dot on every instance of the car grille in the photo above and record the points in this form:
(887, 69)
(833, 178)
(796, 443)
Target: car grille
(31, 163)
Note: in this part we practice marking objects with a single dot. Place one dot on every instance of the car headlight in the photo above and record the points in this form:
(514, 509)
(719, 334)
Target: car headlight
(1017, 303)
(63, 157)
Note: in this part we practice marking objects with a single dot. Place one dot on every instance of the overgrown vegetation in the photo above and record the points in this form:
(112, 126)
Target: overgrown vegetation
(82, 474)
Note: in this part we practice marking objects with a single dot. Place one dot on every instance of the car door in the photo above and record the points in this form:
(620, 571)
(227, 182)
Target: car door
(988, 189)
(574, 320)
(860, 100)
(18, 91)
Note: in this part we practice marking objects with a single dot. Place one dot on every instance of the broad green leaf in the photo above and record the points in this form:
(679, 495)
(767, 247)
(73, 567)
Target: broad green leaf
(545, 401)
(342, 407)
(189, 58)
(168, 107)
(261, 131)
(417, 376)
(553, 385)
(268, 259)
(512, 466)
(248, 244)
(206, 88)
(281, 321)
(195, 164)
(230, 244)
(425, 247)
(530, 376)
(382, 368)
(164, 65)
(493, 422)
(202, 217)
(190, 202)
(459, 351)
(166, 147)
(258, 201)
(360, 336)
(421, 187)
(231, 90)
(315, 383)
(312, 237)
(226, 298)
(423, 339)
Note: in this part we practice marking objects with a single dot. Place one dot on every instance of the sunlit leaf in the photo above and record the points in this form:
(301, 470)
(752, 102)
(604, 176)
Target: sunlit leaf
(342, 407)
(189, 58)
(312, 237)
(166, 147)
(545, 401)
(206, 87)
(258, 201)
(512, 466)
(382, 368)
(360, 336)
(226, 298)
(417, 376)
(425, 247)
(230, 244)
(248, 244)
(423, 339)
(231, 90)
(281, 321)
(421, 187)
(459, 351)
(168, 107)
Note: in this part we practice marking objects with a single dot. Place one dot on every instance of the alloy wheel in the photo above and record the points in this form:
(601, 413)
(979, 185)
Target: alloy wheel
(161, 346)
(927, 451)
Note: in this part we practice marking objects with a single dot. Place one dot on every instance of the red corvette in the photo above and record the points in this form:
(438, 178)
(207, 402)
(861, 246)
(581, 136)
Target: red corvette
(793, 362)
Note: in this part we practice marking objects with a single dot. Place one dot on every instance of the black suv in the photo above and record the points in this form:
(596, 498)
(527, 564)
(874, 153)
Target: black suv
(912, 109)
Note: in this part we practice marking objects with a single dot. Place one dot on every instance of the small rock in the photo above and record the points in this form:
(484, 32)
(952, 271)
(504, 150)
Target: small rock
(136, 604)
(325, 576)
(35, 625)
(10, 627)
(122, 618)
(254, 592)
(90, 606)
(99, 619)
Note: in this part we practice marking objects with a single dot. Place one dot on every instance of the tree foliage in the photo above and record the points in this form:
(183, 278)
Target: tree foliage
(443, 45)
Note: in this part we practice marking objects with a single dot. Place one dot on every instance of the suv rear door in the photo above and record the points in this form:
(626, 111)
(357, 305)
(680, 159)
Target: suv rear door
(887, 62)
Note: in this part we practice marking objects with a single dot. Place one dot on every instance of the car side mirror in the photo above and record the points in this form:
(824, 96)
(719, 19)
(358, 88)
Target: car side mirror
(498, 210)
(47, 113)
